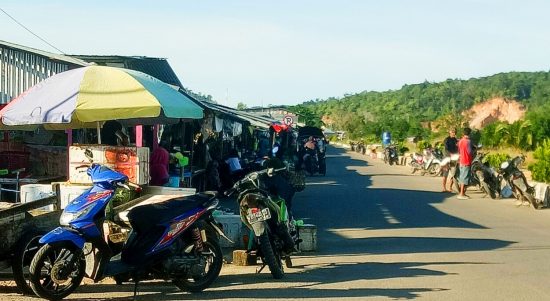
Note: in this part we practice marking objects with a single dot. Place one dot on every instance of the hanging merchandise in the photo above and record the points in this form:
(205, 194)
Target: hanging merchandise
(227, 136)
(228, 127)
(237, 129)
(218, 124)
(206, 127)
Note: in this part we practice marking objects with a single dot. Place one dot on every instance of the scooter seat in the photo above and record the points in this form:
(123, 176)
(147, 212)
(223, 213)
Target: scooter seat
(144, 217)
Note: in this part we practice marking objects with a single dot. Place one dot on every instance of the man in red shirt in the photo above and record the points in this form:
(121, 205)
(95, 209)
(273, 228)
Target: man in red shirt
(465, 162)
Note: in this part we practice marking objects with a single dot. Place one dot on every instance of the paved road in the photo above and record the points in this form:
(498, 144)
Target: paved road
(384, 234)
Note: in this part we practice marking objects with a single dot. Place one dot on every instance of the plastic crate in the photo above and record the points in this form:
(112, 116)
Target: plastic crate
(14, 160)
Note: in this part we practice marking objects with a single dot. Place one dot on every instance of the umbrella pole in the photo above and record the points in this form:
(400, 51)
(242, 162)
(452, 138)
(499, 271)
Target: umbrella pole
(69, 143)
(98, 133)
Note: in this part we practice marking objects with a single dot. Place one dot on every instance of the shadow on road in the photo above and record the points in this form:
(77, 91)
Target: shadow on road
(276, 293)
(302, 285)
(344, 200)
(410, 245)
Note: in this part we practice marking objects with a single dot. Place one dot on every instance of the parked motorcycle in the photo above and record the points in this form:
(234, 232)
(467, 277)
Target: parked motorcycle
(390, 155)
(484, 176)
(175, 239)
(515, 178)
(417, 162)
(429, 164)
(267, 217)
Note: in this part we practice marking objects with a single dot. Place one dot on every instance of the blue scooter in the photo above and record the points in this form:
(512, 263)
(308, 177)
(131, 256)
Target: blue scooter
(175, 239)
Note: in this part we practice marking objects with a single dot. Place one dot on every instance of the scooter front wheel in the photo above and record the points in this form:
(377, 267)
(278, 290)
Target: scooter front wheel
(55, 272)
(24, 252)
(271, 257)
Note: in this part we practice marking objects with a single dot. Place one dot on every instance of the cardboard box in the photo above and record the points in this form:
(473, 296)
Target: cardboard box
(131, 161)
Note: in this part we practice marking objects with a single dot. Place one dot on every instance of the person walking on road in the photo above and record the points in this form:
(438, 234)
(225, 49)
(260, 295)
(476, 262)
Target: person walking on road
(451, 148)
(466, 156)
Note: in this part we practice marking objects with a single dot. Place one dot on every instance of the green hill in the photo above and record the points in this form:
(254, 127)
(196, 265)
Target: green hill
(407, 111)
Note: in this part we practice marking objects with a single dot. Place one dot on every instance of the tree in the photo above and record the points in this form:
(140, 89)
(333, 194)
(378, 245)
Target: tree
(241, 106)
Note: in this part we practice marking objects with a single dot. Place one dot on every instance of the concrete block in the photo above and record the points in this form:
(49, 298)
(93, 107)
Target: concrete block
(242, 258)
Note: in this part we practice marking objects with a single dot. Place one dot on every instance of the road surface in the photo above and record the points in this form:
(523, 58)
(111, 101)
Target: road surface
(384, 234)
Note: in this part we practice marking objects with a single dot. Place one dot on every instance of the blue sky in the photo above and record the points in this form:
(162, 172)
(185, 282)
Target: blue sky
(288, 52)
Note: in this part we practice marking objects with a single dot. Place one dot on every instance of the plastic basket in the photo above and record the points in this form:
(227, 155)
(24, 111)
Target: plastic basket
(13, 160)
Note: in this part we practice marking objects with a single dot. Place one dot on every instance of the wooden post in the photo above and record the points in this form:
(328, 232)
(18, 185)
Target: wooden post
(192, 143)
(139, 135)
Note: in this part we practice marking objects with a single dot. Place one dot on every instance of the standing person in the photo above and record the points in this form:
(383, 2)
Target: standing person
(466, 156)
(158, 167)
(451, 148)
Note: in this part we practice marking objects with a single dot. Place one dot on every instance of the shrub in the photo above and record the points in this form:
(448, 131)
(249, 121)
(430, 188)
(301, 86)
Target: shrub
(422, 145)
(541, 169)
(402, 148)
(495, 159)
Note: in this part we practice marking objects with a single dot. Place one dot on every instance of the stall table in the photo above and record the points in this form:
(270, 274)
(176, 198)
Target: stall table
(20, 181)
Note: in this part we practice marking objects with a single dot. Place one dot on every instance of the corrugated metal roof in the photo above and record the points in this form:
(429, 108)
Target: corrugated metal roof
(46, 54)
(156, 67)
(254, 120)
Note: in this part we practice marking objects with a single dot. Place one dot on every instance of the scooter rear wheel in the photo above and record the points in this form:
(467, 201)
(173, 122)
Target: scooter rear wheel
(195, 284)
(51, 277)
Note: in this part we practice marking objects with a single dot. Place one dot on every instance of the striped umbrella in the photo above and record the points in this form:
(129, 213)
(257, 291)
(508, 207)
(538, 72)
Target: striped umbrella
(87, 96)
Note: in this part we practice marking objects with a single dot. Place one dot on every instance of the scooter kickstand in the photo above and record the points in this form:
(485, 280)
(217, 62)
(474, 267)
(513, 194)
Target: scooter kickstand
(136, 282)
(261, 269)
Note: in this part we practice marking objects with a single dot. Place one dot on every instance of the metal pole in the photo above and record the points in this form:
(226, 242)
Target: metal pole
(98, 133)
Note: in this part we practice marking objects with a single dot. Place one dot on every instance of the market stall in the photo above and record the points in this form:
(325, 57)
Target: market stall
(88, 98)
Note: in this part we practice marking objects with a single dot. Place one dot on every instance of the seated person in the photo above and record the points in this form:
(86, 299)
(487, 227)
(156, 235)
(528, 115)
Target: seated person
(310, 144)
(234, 164)
(112, 133)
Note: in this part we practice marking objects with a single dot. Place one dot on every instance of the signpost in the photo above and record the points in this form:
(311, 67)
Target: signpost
(288, 120)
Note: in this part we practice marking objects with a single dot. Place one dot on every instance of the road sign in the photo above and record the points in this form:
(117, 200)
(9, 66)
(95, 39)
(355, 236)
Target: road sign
(288, 120)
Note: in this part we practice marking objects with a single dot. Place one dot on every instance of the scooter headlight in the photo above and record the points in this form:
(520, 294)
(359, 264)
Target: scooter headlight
(67, 217)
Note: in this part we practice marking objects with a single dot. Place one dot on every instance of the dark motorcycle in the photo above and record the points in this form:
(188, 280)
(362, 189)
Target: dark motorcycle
(314, 161)
(390, 155)
(517, 181)
(487, 179)
(268, 217)
(311, 162)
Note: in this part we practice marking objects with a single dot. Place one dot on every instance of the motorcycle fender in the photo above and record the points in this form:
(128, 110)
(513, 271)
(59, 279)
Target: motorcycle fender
(520, 184)
(220, 232)
(259, 229)
(60, 234)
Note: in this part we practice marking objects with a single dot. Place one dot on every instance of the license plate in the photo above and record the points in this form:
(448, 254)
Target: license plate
(258, 216)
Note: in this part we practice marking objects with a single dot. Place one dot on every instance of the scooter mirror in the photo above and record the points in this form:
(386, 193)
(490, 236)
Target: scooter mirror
(89, 155)
(505, 165)
(270, 172)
